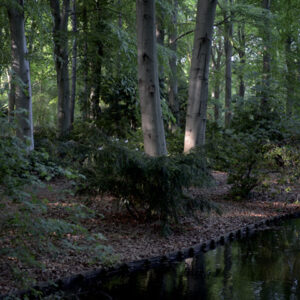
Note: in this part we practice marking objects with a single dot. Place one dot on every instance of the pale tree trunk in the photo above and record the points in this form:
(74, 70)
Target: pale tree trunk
(96, 65)
(228, 28)
(60, 38)
(11, 95)
(198, 87)
(152, 121)
(21, 71)
(74, 60)
(242, 56)
(266, 76)
(217, 52)
(160, 38)
(290, 77)
(173, 82)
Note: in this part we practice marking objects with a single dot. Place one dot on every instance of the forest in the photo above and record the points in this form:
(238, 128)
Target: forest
(130, 129)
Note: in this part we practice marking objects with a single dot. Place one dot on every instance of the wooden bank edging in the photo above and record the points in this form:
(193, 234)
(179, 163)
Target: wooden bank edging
(92, 280)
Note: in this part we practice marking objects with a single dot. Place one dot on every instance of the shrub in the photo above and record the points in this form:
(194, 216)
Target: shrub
(155, 185)
(244, 150)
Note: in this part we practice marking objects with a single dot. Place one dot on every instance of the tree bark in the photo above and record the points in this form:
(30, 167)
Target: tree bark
(160, 38)
(85, 101)
(217, 53)
(20, 68)
(173, 82)
(74, 60)
(60, 38)
(152, 121)
(242, 56)
(11, 95)
(198, 87)
(217, 99)
(228, 28)
(96, 64)
(290, 77)
(266, 76)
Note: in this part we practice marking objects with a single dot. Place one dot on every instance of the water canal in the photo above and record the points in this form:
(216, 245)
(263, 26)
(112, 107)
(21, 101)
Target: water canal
(265, 266)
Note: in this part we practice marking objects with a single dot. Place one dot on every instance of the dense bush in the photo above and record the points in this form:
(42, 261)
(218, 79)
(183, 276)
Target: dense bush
(254, 146)
(155, 185)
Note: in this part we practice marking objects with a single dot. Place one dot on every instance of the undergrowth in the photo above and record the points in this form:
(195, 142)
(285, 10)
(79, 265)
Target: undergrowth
(255, 146)
(27, 233)
(158, 186)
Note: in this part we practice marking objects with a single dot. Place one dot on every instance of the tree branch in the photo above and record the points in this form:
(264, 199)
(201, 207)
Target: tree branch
(191, 31)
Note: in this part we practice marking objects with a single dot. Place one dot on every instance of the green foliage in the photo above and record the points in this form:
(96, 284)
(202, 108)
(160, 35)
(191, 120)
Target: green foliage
(121, 113)
(13, 162)
(175, 141)
(40, 165)
(26, 232)
(154, 185)
(247, 150)
(239, 155)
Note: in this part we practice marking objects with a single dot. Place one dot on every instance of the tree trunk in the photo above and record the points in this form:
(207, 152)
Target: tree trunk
(74, 60)
(173, 82)
(160, 38)
(217, 98)
(96, 64)
(228, 28)
(118, 71)
(21, 71)
(152, 121)
(85, 102)
(96, 69)
(60, 38)
(217, 53)
(11, 95)
(242, 56)
(290, 77)
(266, 76)
(198, 87)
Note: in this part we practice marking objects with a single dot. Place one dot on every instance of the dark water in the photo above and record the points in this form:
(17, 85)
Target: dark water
(265, 266)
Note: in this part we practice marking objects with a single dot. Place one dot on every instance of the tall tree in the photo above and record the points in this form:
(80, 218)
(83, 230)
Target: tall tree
(160, 38)
(74, 60)
(21, 90)
(217, 53)
(11, 94)
(85, 95)
(228, 33)
(242, 56)
(198, 86)
(173, 81)
(289, 36)
(266, 76)
(60, 38)
(152, 122)
(96, 49)
(290, 75)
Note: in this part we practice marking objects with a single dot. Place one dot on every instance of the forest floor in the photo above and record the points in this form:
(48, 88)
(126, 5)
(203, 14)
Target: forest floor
(132, 239)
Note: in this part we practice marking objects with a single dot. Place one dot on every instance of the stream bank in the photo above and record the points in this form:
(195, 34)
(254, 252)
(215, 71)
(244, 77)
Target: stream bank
(138, 240)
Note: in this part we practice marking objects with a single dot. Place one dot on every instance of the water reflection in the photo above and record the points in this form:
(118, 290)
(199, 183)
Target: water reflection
(266, 266)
